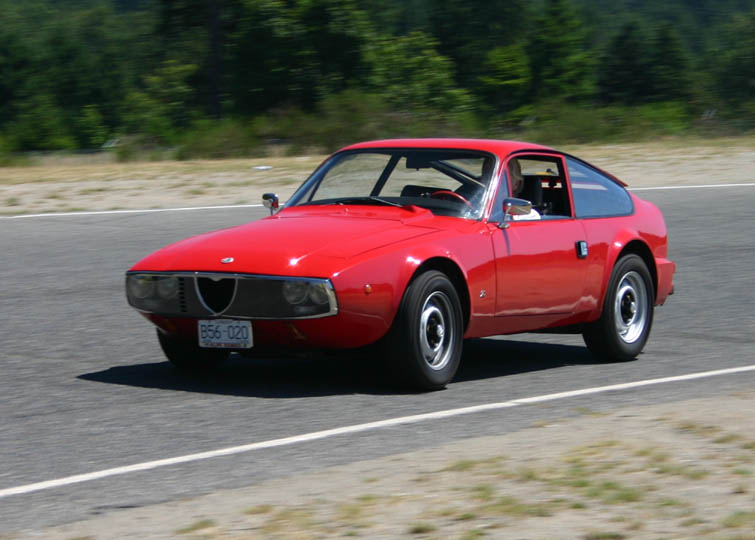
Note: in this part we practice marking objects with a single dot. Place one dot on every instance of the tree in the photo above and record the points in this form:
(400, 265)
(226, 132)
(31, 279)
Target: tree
(624, 73)
(335, 34)
(669, 66)
(508, 78)
(197, 32)
(734, 65)
(410, 74)
(162, 106)
(467, 30)
(267, 64)
(561, 65)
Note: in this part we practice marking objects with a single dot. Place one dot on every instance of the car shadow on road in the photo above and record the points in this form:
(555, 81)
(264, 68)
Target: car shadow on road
(289, 376)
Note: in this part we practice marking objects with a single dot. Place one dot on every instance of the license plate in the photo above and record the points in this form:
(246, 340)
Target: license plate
(225, 334)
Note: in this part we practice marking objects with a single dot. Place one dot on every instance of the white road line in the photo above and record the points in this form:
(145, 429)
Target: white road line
(702, 186)
(358, 428)
(146, 211)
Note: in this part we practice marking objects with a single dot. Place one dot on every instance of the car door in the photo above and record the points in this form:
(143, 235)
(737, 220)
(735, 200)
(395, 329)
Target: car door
(540, 264)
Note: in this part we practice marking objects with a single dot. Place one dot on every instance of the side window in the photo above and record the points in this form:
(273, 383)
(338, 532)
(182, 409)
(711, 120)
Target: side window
(596, 195)
(542, 183)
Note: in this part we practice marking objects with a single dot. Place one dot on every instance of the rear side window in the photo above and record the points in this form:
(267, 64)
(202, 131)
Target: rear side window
(596, 195)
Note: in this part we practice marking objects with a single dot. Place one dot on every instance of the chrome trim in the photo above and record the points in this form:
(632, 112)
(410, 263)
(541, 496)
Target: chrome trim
(271, 202)
(332, 298)
(200, 296)
(486, 205)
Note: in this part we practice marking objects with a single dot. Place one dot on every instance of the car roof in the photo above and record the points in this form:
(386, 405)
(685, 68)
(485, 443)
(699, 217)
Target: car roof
(499, 147)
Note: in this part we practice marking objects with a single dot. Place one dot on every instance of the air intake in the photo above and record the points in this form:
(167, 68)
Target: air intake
(216, 293)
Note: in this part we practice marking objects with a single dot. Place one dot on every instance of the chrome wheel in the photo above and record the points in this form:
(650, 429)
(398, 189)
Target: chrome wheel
(436, 336)
(425, 343)
(631, 307)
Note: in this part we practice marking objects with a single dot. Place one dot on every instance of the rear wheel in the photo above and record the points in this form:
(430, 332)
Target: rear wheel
(426, 340)
(624, 325)
(189, 357)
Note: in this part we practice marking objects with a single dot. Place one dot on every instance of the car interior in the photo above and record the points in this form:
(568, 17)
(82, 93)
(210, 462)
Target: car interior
(544, 186)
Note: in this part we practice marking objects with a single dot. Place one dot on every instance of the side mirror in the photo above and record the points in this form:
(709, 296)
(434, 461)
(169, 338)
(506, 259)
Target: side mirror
(514, 207)
(270, 201)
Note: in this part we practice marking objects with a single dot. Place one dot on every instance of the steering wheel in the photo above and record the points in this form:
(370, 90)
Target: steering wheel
(441, 193)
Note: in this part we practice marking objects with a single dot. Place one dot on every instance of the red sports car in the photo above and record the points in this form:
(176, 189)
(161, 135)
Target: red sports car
(416, 245)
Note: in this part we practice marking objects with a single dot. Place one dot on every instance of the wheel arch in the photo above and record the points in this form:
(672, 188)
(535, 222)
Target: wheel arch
(454, 274)
(641, 249)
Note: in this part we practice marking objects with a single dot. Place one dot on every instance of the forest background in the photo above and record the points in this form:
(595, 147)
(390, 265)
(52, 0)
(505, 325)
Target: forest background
(231, 78)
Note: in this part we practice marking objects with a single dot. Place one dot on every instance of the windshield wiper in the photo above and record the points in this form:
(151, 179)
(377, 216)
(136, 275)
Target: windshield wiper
(372, 198)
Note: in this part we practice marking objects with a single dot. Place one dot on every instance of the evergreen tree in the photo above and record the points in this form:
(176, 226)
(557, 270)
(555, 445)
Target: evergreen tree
(561, 67)
(734, 66)
(467, 30)
(624, 73)
(669, 66)
(508, 78)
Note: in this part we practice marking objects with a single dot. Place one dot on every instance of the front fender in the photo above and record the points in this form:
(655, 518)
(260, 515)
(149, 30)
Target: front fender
(371, 290)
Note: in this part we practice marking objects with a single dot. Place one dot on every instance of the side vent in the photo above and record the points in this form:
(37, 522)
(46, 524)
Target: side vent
(182, 295)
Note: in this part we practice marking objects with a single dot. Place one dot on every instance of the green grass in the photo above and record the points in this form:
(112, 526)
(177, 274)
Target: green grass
(698, 429)
(690, 473)
(611, 492)
(197, 526)
(483, 492)
(472, 535)
(729, 437)
(421, 528)
(740, 519)
(511, 506)
(462, 465)
(259, 509)
(604, 536)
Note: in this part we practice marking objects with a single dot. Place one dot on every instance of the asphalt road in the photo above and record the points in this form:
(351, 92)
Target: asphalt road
(84, 386)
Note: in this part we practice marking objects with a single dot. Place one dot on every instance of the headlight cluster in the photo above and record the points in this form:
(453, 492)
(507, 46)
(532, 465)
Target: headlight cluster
(153, 292)
(144, 287)
(301, 291)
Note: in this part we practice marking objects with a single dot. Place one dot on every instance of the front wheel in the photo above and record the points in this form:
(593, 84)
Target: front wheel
(189, 357)
(624, 325)
(426, 340)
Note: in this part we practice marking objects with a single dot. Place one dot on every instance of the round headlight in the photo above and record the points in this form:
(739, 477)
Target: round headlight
(318, 294)
(140, 286)
(167, 287)
(295, 292)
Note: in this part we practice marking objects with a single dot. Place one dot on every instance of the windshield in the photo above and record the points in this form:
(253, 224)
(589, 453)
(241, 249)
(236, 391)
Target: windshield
(446, 182)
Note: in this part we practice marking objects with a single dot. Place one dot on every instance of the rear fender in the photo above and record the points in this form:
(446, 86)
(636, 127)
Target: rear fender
(626, 241)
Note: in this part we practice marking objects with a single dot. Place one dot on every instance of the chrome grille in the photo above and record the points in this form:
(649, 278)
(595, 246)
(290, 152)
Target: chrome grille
(215, 293)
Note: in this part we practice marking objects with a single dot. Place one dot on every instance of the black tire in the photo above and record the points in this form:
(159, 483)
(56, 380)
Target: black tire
(624, 325)
(189, 357)
(425, 342)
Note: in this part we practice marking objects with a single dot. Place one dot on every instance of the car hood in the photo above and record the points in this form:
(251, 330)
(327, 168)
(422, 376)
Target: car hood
(311, 241)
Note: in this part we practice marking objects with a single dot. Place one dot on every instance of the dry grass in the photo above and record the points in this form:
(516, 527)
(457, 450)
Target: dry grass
(64, 183)
(592, 477)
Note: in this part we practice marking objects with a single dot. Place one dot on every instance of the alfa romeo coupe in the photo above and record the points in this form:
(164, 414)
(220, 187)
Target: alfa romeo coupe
(414, 246)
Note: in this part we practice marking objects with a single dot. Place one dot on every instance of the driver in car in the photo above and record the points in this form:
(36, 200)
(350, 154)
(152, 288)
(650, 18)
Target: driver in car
(517, 185)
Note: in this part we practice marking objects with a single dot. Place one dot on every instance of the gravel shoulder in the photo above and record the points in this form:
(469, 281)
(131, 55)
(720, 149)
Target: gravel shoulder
(678, 470)
(67, 184)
